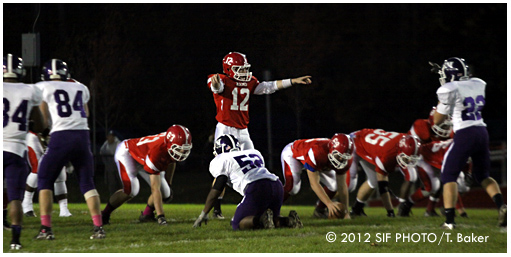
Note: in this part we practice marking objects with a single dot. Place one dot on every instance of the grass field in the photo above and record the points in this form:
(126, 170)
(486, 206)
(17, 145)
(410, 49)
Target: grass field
(373, 234)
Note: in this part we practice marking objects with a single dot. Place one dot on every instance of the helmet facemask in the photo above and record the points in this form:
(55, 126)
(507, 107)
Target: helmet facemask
(241, 72)
(180, 152)
(443, 129)
(339, 160)
(406, 161)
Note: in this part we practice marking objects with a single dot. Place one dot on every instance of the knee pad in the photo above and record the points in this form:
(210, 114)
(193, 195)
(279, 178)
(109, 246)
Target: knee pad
(383, 187)
(90, 194)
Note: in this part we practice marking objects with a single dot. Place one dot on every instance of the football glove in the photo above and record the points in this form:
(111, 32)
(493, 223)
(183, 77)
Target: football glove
(202, 217)
(161, 220)
(435, 67)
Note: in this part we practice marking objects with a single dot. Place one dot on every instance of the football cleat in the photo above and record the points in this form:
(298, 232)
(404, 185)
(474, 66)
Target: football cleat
(448, 226)
(266, 220)
(431, 214)
(404, 210)
(45, 233)
(294, 220)
(29, 214)
(146, 218)
(503, 216)
(98, 233)
(464, 215)
(320, 213)
(218, 215)
(356, 212)
(15, 246)
(162, 221)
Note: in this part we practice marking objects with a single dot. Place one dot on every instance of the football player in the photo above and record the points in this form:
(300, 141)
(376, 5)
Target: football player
(21, 103)
(327, 161)
(65, 104)
(262, 191)
(232, 92)
(428, 170)
(35, 151)
(158, 155)
(380, 152)
(463, 97)
(426, 131)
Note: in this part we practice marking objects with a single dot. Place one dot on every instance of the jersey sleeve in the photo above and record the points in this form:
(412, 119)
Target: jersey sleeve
(310, 161)
(265, 88)
(37, 96)
(447, 98)
(156, 161)
(86, 94)
(217, 167)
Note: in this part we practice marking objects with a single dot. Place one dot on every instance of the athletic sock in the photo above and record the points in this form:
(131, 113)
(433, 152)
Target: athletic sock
(16, 232)
(148, 211)
(46, 220)
(449, 215)
(108, 209)
(498, 200)
(96, 219)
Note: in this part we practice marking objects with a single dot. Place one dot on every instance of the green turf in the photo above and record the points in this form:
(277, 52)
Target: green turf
(127, 235)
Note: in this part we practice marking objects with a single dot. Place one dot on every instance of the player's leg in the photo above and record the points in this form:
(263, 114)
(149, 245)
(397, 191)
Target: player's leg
(31, 184)
(61, 193)
(7, 226)
(454, 160)
(365, 190)
(481, 173)
(383, 189)
(83, 163)
(254, 211)
(30, 188)
(292, 170)
(147, 215)
(51, 163)
(127, 172)
(15, 172)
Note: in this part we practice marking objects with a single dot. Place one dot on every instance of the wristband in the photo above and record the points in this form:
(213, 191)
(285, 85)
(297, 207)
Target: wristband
(286, 83)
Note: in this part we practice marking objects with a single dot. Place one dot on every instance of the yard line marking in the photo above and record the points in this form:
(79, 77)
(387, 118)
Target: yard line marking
(441, 238)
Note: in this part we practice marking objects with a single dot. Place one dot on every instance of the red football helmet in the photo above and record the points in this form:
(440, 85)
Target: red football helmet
(408, 151)
(179, 142)
(442, 130)
(237, 67)
(340, 150)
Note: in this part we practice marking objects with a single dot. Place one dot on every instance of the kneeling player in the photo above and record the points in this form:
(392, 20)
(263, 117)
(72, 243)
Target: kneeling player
(261, 190)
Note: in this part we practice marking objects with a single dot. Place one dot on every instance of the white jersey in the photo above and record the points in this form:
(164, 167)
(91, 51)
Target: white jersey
(464, 100)
(19, 99)
(66, 101)
(34, 143)
(241, 168)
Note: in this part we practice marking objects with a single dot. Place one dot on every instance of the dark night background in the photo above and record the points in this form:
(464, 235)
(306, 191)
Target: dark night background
(147, 65)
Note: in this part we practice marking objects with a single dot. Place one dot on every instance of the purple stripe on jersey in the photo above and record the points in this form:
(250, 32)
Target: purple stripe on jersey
(260, 195)
(67, 146)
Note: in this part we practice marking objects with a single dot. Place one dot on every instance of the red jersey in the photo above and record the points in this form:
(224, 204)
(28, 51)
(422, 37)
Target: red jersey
(232, 103)
(422, 129)
(313, 154)
(151, 152)
(379, 148)
(433, 152)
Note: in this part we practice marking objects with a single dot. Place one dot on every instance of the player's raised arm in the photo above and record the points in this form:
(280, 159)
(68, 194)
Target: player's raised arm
(285, 83)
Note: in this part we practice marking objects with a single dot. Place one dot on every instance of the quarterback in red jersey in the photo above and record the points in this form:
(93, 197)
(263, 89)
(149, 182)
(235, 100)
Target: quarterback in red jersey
(327, 162)
(232, 91)
(157, 155)
(379, 153)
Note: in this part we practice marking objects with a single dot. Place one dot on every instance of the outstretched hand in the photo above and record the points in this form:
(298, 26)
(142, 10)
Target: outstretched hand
(215, 81)
(305, 80)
